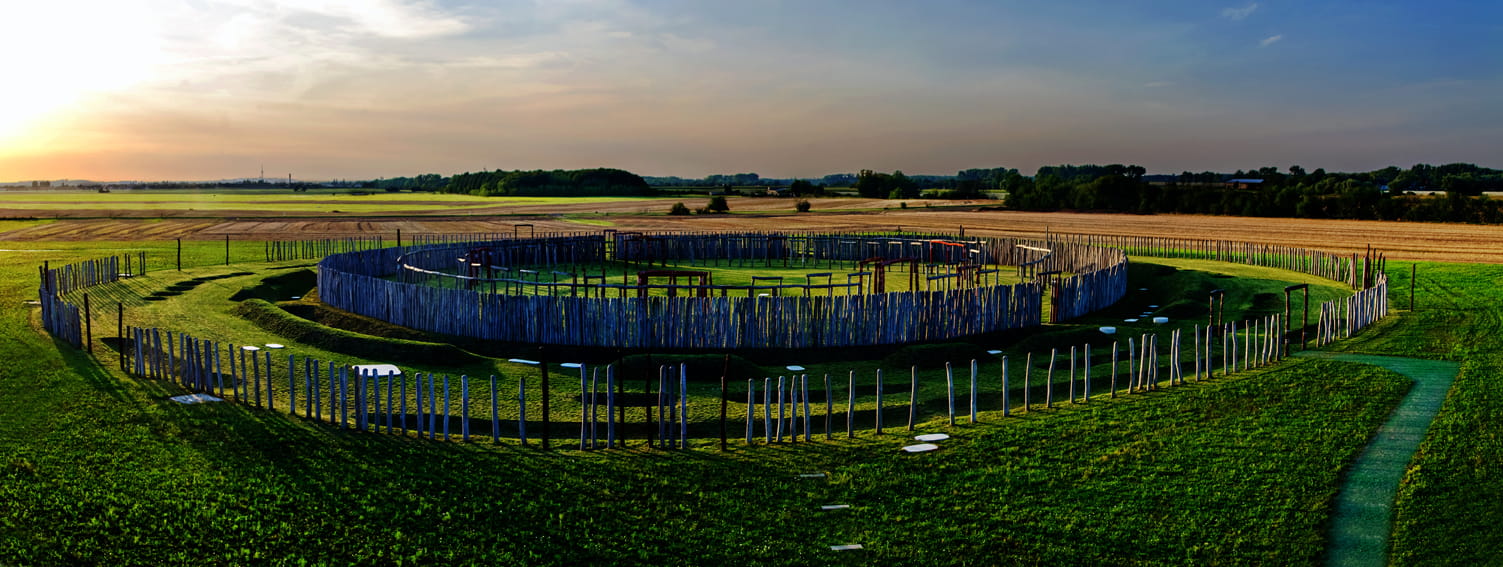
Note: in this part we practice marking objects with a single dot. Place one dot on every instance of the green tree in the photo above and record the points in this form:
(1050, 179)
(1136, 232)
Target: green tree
(678, 209)
(718, 205)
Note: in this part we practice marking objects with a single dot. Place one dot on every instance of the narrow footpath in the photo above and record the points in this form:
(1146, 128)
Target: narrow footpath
(1363, 520)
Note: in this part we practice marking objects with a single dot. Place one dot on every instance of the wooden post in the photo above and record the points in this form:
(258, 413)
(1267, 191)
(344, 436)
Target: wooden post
(950, 392)
(1006, 411)
(543, 363)
(1027, 377)
(120, 331)
(912, 394)
(725, 369)
(1049, 380)
(850, 405)
(610, 406)
(829, 408)
(522, 409)
(1114, 370)
(1072, 374)
(803, 384)
(179, 254)
(751, 408)
(584, 409)
(1413, 274)
(767, 425)
(782, 409)
(879, 401)
(226, 249)
(88, 324)
(973, 390)
(1086, 380)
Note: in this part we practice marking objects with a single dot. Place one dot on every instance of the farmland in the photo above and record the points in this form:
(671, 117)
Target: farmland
(98, 467)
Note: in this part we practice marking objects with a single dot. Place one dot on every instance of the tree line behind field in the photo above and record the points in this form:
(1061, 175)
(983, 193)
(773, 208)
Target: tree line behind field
(1452, 192)
(558, 182)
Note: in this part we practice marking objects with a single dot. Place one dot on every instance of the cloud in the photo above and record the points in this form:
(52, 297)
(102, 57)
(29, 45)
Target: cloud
(1239, 13)
(1270, 40)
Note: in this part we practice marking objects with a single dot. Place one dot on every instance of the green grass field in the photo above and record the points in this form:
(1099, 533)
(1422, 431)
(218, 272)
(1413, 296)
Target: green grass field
(99, 468)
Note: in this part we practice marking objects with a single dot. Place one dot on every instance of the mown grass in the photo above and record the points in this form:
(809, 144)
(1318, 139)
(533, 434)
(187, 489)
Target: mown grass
(1451, 499)
(99, 468)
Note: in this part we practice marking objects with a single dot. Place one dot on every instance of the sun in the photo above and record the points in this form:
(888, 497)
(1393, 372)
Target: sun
(57, 53)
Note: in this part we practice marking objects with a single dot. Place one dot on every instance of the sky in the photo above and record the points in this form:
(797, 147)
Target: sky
(360, 89)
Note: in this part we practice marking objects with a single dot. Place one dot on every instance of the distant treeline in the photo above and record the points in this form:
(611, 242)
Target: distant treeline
(558, 182)
(1385, 194)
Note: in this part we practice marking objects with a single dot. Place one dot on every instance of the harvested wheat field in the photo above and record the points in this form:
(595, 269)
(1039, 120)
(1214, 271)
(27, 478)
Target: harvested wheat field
(1399, 240)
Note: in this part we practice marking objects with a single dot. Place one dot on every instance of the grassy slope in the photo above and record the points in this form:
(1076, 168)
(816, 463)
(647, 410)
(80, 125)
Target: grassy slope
(98, 468)
(1452, 497)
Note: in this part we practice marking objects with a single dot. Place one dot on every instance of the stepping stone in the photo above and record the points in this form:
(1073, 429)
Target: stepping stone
(1160, 320)
(795, 368)
(829, 507)
(251, 348)
(1153, 307)
(994, 352)
(920, 448)
(846, 547)
(377, 369)
(1129, 320)
(927, 437)
(572, 365)
(1109, 330)
(273, 346)
(812, 475)
(194, 399)
(522, 361)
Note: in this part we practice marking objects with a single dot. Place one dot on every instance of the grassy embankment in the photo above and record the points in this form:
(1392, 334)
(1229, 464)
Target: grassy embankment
(99, 468)
(1451, 499)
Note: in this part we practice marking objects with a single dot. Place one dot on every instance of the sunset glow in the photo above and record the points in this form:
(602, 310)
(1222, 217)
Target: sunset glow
(172, 89)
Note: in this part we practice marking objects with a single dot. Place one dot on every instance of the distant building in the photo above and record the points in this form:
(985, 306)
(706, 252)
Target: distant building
(1244, 183)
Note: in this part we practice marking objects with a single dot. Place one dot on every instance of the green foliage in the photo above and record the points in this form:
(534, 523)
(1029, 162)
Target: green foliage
(718, 205)
(1298, 194)
(398, 351)
(678, 209)
(801, 206)
(579, 182)
(803, 188)
(872, 185)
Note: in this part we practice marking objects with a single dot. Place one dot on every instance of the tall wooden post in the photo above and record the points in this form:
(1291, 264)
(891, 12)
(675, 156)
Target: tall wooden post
(120, 330)
(1413, 272)
(725, 370)
(543, 363)
(226, 249)
(179, 254)
(88, 324)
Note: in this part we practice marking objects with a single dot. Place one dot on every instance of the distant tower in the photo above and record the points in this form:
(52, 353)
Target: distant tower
(263, 174)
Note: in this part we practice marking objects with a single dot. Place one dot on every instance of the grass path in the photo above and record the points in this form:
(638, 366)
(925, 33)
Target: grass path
(1364, 507)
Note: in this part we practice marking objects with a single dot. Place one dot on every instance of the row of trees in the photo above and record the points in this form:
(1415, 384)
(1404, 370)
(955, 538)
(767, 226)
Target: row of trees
(558, 182)
(1381, 195)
